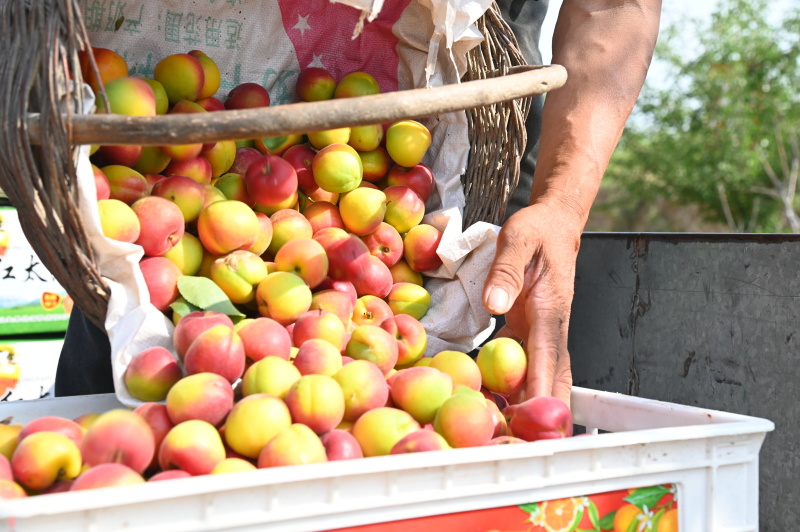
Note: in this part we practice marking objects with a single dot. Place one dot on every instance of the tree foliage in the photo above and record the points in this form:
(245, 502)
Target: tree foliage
(723, 134)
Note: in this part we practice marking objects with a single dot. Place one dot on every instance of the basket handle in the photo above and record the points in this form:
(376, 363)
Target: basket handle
(521, 82)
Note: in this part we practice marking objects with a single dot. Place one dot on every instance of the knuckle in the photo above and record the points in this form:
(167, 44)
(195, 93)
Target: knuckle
(514, 254)
(508, 273)
(552, 310)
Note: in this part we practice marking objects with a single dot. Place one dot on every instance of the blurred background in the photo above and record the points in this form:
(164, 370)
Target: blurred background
(712, 145)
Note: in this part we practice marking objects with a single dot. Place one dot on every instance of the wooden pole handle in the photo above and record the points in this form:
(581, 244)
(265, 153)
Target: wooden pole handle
(303, 117)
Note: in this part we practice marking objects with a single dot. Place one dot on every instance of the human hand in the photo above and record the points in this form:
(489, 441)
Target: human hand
(531, 281)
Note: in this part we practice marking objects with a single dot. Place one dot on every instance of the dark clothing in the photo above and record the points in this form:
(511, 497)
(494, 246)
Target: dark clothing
(84, 367)
(85, 363)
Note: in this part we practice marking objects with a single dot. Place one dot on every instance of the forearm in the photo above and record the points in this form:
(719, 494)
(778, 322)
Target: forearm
(606, 47)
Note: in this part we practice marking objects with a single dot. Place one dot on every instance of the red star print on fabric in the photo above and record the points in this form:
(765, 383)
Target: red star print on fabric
(321, 34)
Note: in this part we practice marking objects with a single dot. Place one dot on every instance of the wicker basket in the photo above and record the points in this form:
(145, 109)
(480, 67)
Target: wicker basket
(40, 129)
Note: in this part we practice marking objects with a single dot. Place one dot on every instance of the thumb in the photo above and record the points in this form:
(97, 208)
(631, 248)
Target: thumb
(506, 277)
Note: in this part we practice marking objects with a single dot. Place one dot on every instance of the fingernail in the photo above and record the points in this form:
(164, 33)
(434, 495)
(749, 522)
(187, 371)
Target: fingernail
(498, 300)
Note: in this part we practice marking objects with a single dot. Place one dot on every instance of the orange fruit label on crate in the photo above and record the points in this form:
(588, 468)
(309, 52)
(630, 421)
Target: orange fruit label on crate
(50, 301)
(649, 509)
(4, 240)
(9, 370)
(560, 515)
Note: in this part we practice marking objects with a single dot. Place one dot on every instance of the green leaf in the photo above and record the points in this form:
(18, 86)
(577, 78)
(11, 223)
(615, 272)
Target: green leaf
(594, 516)
(633, 526)
(657, 518)
(529, 508)
(118, 23)
(607, 522)
(302, 200)
(205, 294)
(272, 143)
(578, 517)
(647, 496)
(237, 319)
(182, 307)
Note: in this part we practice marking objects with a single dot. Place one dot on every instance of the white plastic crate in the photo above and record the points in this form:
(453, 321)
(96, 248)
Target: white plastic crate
(711, 456)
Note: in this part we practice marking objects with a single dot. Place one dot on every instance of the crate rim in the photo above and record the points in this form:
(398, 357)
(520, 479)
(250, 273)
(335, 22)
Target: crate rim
(722, 425)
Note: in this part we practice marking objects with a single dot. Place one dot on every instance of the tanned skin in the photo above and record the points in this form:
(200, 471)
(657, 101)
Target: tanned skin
(606, 47)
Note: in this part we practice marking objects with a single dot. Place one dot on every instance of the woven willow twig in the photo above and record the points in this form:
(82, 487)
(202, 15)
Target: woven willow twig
(497, 132)
(40, 41)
